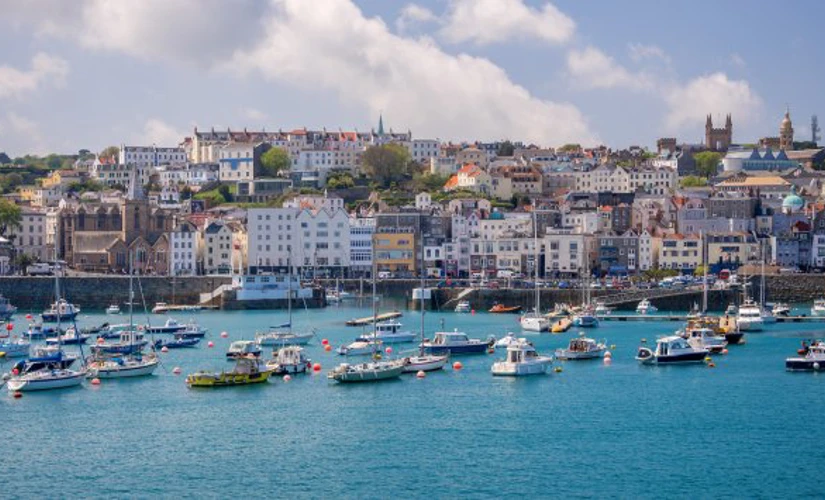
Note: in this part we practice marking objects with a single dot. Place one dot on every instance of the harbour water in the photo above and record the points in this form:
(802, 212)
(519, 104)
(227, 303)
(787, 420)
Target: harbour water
(745, 428)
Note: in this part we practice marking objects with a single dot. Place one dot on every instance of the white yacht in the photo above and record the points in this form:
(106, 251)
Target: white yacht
(522, 359)
(389, 332)
(819, 308)
(455, 342)
(360, 347)
(289, 360)
(705, 338)
(781, 309)
(506, 341)
(811, 358)
(582, 348)
(749, 317)
(534, 322)
(463, 307)
(671, 350)
(243, 349)
(367, 372)
(645, 307)
(133, 365)
(113, 309)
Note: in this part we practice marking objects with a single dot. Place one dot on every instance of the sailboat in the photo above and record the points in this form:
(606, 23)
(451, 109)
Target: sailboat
(282, 335)
(49, 371)
(534, 321)
(586, 315)
(767, 313)
(424, 362)
(373, 370)
(110, 363)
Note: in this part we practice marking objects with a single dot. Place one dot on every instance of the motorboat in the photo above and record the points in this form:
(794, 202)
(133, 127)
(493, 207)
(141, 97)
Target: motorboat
(582, 348)
(133, 365)
(818, 308)
(247, 371)
(505, 341)
(113, 309)
(45, 358)
(424, 363)
(534, 322)
(39, 331)
(367, 372)
(71, 337)
(14, 347)
(522, 359)
(768, 318)
(177, 343)
(243, 348)
(289, 361)
(731, 310)
(359, 347)
(463, 306)
(191, 331)
(670, 350)
(705, 338)
(46, 379)
(287, 337)
(94, 330)
(645, 307)
(6, 309)
(602, 309)
(586, 318)
(749, 318)
(61, 310)
(718, 327)
(811, 358)
(781, 309)
(502, 309)
(389, 332)
(170, 326)
(130, 342)
(113, 331)
(455, 342)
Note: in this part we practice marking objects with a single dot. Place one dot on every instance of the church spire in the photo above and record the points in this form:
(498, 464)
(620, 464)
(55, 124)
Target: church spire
(381, 124)
(135, 190)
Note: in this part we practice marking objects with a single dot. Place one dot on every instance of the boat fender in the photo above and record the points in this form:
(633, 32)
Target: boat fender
(816, 366)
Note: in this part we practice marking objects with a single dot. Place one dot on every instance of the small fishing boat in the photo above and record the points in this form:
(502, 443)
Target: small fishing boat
(71, 337)
(129, 342)
(243, 348)
(132, 365)
(191, 331)
(177, 343)
(671, 350)
(359, 347)
(455, 342)
(506, 341)
(247, 371)
(61, 310)
(705, 338)
(749, 318)
(367, 372)
(502, 309)
(463, 306)
(6, 309)
(40, 331)
(811, 358)
(582, 348)
(14, 347)
(522, 359)
(171, 326)
(113, 309)
(781, 309)
(534, 322)
(389, 332)
(645, 307)
(289, 360)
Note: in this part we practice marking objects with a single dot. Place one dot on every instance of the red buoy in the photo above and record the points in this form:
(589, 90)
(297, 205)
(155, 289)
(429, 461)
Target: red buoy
(457, 365)
(287, 378)
(224, 335)
(95, 381)
(388, 350)
(164, 349)
(18, 394)
(327, 347)
(324, 342)
(421, 374)
(316, 367)
(210, 344)
(9, 326)
(176, 370)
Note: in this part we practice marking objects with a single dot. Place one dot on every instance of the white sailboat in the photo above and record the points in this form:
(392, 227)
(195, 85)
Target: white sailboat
(534, 321)
(282, 335)
(424, 362)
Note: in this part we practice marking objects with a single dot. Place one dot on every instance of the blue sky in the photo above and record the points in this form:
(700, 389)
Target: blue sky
(91, 73)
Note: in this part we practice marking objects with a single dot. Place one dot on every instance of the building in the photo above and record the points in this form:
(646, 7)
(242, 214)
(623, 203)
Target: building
(223, 247)
(568, 253)
(614, 179)
(190, 174)
(241, 161)
(261, 190)
(361, 230)
(150, 156)
(185, 248)
(785, 140)
(473, 156)
(618, 253)
(508, 180)
(765, 187)
(680, 252)
(718, 139)
(731, 249)
(61, 178)
(30, 236)
(395, 252)
(471, 177)
(755, 159)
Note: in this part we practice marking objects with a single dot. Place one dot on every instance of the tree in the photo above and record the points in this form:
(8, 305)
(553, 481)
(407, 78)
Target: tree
(4, 158)
(22, 261)
(386, 163)
(340, 180)
(226, 192)
(9, 215)
(707, 163)
(506, 149)
(429, 182)
(693, 181)
(275, 161)
(110, 152)
(568, 148)
(53, 161)
(699, 271)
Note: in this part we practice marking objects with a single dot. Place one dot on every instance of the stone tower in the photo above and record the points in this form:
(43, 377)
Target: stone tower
(718, 139)
(786, 132)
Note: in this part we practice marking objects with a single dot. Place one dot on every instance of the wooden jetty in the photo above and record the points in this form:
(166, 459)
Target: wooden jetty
(369, 319)
(161, 308)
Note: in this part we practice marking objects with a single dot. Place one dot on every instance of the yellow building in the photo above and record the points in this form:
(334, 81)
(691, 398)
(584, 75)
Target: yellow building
(28, 193)
(731, 248)
(395, 253)
(61, 177)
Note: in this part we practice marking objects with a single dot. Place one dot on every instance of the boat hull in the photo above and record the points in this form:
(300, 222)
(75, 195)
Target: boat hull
(367, 375)
(692, 357)
(124, 371)
(454, 350)
(181, 343)
(415, 364)
(506, 369)
(296, 339)
(398, 338)
(750, 326)
(567, 354)
(119, 348)
(803, 365)
(27, 383)
(735, 338)
(214, 380)
(52, 317)
(14, 350)
(535, 324)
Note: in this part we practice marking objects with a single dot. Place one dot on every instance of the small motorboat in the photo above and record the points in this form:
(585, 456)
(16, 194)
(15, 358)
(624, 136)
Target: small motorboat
(818, 308)
(367, 372)
(586, 318)
(40, 331)
(359, 347)
(113, 309)
(112, 331)
(705, 338)
(671, 350)
(14, 347)
(132, 365)
(506, 341)
(781, 309)
(522, 359)
(243, 348)
(45, 357)
(389, 332)
(731, 310)
(602, 309)
(247, 371)
(455, 342)
(62, 310)
(177, 343)
(191, 331)
(645, 307)
(130, 342)
(582, 348)
(534, 322)
(749, 318)
(171, 326)
(811, 358)
(424, 363)
(289, 361)
(71, 337)
(502, 309)
(463, 306)
(280, 338)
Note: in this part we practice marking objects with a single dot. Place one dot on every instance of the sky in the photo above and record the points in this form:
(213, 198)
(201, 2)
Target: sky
(93, 73)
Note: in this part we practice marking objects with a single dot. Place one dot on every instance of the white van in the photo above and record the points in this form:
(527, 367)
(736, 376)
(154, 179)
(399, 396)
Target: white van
(382, 275)
(39, 269)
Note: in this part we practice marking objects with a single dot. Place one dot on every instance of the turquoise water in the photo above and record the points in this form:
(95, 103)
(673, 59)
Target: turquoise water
(743, 429)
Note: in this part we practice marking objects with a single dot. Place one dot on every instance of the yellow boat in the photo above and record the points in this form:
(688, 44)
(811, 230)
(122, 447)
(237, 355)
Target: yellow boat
(561, 325)
(247, 371)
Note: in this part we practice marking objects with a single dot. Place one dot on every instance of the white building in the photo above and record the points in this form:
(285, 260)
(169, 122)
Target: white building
(422, 150)
(611, 178)
(315, 202)
(360, 245)
(184, 247)
(566, 252)
(31, 234)
(223, 247)
(150, 156)
(648, 251)
(238, 160)
(109, 173)
(191, 174)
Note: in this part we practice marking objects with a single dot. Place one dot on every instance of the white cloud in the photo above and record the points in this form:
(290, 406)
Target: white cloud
(737, 60)
(330, 45)
(489, 21)
(159, 133)
(689, 104)
(640, 52)
(45, 69)
(591, 68)
(413, 14)
(23, 133)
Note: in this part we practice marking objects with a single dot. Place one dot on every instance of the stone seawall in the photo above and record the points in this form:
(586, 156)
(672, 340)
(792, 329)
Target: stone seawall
(792, 287)
(33, 294)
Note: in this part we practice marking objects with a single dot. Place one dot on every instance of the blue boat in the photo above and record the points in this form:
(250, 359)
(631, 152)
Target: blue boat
(45, 358)
(61, 310)
(177, 343)
(39, 331)
(130, 342)
(192, 331)
(455, 342)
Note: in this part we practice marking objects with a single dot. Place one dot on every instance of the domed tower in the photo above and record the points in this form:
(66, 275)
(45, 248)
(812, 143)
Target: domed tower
(786, 132)
(793, 203)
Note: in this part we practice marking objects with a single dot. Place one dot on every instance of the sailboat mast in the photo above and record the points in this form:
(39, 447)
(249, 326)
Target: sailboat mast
(374, 302)
(421, 298)
(762, 279)
(704, 277)
(131, 292)
(536, 257)
(289, 290)
(57, 297)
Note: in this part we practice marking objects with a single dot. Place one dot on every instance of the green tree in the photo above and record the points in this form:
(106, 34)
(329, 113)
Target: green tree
(506, 148)
(699, 271)
(110, 152)
(707, 163)
(53, 161)
(429, 182)
(22, 261)
(275, 161)
(340, 180)
(9, 215)
(226, 192)
(570, 148)
(387, 163)
(693, 181)
(4, 158)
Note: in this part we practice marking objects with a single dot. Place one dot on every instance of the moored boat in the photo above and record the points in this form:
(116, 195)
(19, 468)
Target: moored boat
(522, 359)
(61, 310)
(812, 358)
(705, 338)
(6, 309)
(389, 332)
(749, 317)
(14, 347)
(289, 360)
(247, 371)
(582, 348)
(129, 342)
(502, 309)
(463, 306)
(113, 309)
(818, 308)
(367, 372)
(71, 337)
(170, 326)
(671, 350)
(359, 347)
(131, 365)
(534, 322)
(242, 349)
(455, 342)
(177, 343)
(781, 309)
(645, 307)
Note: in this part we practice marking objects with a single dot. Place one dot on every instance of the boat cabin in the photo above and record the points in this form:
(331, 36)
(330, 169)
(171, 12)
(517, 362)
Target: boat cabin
(667, 346)
(520, 352)
(387, 327)
(447, 338)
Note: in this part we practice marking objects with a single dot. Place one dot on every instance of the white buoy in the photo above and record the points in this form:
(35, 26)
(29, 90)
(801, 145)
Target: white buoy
(176, 370)
(287, 378)
(421, 374)
(608, 354)
(164, 349)
(816, 366)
